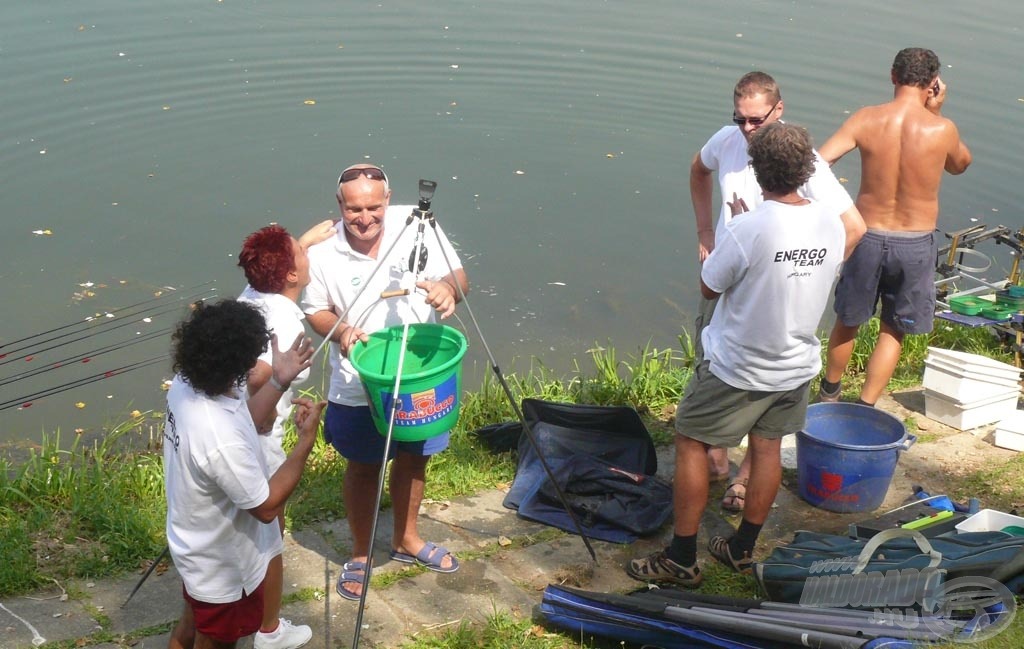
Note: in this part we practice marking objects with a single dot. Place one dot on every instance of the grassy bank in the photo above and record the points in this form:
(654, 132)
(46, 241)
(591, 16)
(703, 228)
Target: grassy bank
(92, 511)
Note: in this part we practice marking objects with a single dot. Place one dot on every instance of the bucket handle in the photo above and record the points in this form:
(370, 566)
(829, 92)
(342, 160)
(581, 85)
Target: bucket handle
(877, 540)
(908, 442)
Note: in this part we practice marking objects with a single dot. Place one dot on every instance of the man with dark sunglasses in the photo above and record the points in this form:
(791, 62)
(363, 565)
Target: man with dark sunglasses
(339, 268)
(905, 145)
(757, 101)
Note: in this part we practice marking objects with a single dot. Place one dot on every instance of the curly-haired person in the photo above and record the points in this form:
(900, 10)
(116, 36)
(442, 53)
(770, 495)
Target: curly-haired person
(773, 268)
(222, 502)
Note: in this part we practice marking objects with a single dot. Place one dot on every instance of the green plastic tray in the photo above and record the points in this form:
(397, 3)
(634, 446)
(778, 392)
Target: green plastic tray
(968, 304)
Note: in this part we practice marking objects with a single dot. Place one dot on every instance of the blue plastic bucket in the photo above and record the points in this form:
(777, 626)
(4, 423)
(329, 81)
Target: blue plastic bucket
(846, 456)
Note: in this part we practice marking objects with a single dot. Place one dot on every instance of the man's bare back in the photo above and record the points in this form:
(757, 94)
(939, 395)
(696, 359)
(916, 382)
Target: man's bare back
(904, 145)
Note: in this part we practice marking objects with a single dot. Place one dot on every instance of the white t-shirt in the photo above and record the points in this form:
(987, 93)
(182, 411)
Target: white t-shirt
(213, 472)
(284, 318)
(337, 273)
(774, 267)
(726, 153)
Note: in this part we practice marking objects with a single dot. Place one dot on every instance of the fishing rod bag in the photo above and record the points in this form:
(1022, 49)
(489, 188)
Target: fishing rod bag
(603, 459)
(785, 573)
(653, 618)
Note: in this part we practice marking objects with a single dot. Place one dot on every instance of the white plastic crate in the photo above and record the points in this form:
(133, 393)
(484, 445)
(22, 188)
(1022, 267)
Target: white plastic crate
(958, 385)
(989, 520)
(974, 364)
(1008, 439)
(965, 416)
(1009, 432)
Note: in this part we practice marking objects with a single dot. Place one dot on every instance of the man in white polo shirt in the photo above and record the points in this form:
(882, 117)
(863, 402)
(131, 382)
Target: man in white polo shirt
(371, 228)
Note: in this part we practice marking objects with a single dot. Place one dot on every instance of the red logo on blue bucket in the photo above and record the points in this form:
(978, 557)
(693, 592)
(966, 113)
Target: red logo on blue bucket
(424, 407)
(831, 481)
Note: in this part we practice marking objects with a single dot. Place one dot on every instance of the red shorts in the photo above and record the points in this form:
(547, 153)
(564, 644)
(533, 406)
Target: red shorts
(231, 621)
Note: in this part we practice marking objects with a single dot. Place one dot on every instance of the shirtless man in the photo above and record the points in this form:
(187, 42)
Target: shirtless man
(904, 145)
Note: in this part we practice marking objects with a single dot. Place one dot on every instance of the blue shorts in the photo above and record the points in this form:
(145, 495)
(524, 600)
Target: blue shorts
(351, 431)
(895, 268)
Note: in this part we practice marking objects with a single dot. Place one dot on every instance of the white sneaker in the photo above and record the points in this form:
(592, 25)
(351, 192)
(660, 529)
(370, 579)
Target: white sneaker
(285, 636)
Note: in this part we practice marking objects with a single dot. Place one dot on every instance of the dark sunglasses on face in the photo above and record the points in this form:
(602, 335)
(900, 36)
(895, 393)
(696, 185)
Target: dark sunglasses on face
(753, 121)
(373, 173)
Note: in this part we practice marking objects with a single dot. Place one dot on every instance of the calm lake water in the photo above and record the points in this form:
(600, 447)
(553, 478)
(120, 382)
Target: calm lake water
(142, 141)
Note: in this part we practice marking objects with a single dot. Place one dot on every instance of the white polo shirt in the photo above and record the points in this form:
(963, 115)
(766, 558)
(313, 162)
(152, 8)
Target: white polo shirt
(726, 153)
(337, 273)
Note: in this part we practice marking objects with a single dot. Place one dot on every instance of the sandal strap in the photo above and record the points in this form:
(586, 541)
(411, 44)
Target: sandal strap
(433, 553)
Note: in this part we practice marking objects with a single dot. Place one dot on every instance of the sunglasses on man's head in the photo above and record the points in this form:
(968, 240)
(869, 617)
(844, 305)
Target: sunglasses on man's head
(373, 173)
(753, 121)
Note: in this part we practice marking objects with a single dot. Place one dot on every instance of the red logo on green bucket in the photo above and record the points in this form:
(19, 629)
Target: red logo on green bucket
(424, 407)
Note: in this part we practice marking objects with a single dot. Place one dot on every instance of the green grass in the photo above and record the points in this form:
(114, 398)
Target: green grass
(85, 511)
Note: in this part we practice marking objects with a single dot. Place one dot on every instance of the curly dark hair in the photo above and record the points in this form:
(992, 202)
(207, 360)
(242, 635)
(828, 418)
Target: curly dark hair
(782, 156)
(915, 66)
(267, 258)
(756, 83)
(217, 345)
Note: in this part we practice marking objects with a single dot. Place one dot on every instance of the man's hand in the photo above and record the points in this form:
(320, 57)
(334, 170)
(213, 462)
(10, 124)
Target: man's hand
(307, 416)
(936, 97)
(737, 205)
(706, 241)
(349, 337)
(290, 363)
(441, 295)
(320, 232)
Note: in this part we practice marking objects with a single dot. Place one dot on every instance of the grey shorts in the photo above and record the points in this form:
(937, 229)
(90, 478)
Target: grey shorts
(714, 412)
(896, 269)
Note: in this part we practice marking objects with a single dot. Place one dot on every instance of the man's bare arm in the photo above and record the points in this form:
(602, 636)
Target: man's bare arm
(258, 376)
(855, 229)
(960, 158)
(842, 141)
(286, 478)
(706, 292)
(700, 195)
(345, 335)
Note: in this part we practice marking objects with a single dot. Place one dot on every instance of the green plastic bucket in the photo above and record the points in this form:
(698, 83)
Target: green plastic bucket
(428, 397)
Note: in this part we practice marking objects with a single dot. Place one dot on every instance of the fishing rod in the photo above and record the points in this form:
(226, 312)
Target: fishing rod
(115, 324)
(28, 400)
(90, 324)
(85, 357)
(417, 262)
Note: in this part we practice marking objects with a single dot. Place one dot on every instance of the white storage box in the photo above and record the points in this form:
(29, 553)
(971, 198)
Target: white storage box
(980, 366)
(957, 385)
(1010, 432)
(965, 416)
(989, 520)
(1008, 439)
